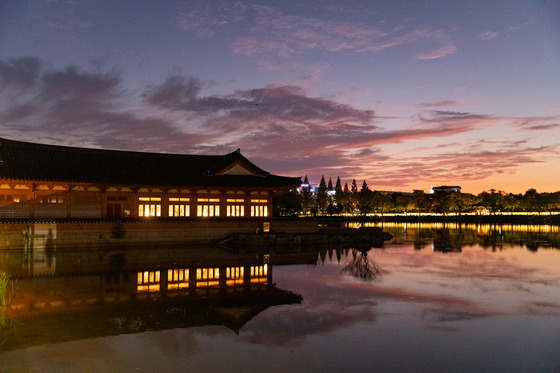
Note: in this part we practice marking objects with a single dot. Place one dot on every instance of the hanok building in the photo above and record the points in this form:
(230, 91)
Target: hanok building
(48, 181)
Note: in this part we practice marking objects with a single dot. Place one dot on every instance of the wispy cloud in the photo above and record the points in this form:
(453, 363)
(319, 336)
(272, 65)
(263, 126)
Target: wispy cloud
(281, 34)
(439, 103)
(268, 30)
(205, 18)
(538, 123)
(488, 35)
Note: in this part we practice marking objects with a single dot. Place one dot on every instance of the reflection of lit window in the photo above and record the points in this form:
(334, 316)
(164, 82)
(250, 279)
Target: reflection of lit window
(177, 279)
(259, 274)
(52, 199)
(179, 207)
(148, 281)
(147, 207)
(207, 277)
(208, 207)
(234, 275)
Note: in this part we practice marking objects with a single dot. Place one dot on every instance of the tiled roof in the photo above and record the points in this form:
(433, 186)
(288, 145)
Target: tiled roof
(51, 163)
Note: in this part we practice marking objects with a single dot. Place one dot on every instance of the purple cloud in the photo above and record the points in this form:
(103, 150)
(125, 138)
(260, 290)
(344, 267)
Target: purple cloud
(284, 35)
(281, 128)
(205, 18)
(270, 30)
(439, 103)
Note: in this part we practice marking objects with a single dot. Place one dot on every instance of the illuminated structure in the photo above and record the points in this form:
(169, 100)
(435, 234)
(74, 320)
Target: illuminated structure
(445, 189)
(48, 181)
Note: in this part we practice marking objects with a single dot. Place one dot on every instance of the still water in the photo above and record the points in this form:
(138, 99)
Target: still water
(436, 298)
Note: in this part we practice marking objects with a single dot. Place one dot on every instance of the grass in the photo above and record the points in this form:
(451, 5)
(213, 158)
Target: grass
(4, 280)
(4, 296)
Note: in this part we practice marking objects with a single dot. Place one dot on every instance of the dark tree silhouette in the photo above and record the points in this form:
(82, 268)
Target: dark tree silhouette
(362, 266)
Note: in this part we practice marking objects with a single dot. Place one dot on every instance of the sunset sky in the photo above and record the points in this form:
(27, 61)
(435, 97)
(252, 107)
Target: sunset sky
(403, 94)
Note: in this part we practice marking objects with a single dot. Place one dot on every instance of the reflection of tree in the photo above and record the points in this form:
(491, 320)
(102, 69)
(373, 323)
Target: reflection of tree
(49, 248)
(361, 266)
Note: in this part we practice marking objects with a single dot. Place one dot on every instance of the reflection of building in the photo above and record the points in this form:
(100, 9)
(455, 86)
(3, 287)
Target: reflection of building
(47, 181)
(156, 289)
(174, 281)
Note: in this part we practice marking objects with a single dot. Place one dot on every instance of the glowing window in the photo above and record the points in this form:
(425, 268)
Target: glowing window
(179, 207)
(235, 210)
(208, 207)
(147, 207)
(259, 210)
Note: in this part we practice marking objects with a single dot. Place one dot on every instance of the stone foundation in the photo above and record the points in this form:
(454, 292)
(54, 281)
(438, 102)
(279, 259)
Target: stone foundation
(60, 234)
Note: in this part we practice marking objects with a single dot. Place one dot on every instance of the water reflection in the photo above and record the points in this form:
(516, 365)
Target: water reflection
(107, 291)
(453, 237)
(430, 311)
(361, 266)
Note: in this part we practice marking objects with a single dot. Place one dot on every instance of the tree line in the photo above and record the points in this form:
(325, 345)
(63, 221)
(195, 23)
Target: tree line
(351, 199)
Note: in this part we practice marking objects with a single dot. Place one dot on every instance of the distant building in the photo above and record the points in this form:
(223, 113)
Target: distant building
(391, 192)
(445, 189)
(48, 181)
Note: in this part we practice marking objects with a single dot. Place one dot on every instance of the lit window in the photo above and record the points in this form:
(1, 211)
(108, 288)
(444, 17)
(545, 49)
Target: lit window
(149, 206)
(259, 207)
(235, 207)
(208, 207)
(178, 207)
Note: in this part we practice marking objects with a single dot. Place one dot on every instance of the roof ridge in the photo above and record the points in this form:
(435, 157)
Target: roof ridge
(102, 150)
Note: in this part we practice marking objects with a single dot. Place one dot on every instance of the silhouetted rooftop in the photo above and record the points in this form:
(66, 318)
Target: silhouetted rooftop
(51, 163)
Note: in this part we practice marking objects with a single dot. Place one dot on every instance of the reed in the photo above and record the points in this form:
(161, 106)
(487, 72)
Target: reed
(4, 281)
(5, 297)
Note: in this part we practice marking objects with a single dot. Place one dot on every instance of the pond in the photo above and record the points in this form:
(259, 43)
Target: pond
(435, 298)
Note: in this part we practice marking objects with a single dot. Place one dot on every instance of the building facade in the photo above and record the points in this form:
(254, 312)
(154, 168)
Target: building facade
(49, 181)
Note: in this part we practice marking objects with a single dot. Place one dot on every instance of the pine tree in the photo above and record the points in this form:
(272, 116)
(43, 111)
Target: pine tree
(346, 199)
(353, 195)
(322, 197)
(338, 193)
(306, 196)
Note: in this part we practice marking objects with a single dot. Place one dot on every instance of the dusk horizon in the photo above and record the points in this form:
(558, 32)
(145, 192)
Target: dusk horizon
(403, 95)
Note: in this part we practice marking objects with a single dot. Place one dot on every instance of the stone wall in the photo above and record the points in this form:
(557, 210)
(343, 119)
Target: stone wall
(105, 233)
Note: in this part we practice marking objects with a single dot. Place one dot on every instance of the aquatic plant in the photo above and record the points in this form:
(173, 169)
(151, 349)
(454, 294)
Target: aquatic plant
(4, 280)
(177, 311)
(134, 324)
(4, 296)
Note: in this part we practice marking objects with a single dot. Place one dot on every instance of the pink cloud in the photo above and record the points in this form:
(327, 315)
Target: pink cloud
(439, 103)
(538, 123)
(283, 35)
(205, 19)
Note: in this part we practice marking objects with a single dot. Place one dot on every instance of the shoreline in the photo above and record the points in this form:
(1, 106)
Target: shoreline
(461, 219)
